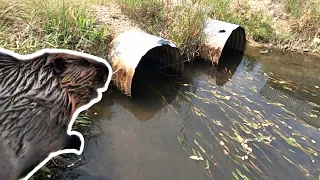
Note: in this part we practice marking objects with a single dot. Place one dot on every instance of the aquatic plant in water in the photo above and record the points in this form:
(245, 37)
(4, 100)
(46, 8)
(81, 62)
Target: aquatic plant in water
(247, 136)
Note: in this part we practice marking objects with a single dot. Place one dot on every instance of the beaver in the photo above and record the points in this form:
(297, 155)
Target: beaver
(38, 98)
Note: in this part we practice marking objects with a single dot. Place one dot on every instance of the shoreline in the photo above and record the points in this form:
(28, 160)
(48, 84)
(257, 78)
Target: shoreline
(270, 31)
(120, 16)
(289, 49)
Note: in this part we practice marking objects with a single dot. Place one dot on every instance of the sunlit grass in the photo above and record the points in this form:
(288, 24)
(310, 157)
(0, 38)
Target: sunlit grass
(293, 7)
(182, 24)
(30, 25)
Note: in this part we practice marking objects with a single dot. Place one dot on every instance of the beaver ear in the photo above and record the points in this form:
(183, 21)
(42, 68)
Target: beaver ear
(57, 63)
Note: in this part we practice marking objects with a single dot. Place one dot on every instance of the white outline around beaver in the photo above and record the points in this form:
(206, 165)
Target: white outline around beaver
(78, 110)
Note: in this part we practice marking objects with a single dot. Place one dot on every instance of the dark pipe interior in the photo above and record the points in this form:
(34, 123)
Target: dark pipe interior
(228, 64)
(150, 73)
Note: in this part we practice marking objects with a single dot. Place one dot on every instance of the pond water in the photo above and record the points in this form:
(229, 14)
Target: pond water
(254, 117)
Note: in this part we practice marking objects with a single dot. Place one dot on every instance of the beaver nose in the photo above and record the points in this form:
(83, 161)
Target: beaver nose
(105, 73)
(102, 75)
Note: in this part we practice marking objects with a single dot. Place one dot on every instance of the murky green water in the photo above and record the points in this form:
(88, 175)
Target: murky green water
(245, 121)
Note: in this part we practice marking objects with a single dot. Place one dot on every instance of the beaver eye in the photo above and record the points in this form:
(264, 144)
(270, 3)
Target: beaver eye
(58, 66)
(85, 63)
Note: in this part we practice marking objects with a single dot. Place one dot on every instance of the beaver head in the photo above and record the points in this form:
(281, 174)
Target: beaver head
(78, 77)
(38, 97)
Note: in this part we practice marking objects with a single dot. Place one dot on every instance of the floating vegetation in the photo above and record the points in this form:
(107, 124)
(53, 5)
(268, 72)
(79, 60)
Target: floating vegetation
(195, 157)
(246, 135)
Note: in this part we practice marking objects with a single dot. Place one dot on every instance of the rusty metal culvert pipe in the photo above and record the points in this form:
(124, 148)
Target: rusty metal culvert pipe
(221, 35)
(127, 50)
(130, 47)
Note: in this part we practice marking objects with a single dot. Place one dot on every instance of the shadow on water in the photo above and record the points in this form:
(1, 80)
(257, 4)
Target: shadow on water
(153, 89)
(233, 118)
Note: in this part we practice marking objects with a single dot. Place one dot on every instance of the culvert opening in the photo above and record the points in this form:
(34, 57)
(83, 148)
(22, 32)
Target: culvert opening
(233, 50)
(229, 61)
(158, 67)
(237, 40)
(230, 57)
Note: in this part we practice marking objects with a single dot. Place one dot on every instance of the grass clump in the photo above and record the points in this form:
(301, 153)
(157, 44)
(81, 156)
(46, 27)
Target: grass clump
(183, 24)
(293, 7)
(187, 29)
(69, 25)
(38, 24)
(257, 26)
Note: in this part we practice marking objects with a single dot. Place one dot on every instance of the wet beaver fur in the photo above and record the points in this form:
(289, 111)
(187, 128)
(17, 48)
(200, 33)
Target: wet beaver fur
(37, 100)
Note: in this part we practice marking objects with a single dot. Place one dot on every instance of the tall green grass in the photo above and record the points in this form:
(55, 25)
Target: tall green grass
(294, 7)
(257, 25)
(37, 24)
(182, 24)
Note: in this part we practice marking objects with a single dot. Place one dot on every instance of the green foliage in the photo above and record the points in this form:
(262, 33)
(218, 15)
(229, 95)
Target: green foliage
(182, 24)
(49, 24)
(256, 24)
(294, 7)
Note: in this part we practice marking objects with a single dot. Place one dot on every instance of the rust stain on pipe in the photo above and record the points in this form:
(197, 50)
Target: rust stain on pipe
(220, 35)
(130, 47)
(211, 53)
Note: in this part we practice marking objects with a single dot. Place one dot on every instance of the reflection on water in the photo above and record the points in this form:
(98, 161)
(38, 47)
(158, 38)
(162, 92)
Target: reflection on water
(236, 121)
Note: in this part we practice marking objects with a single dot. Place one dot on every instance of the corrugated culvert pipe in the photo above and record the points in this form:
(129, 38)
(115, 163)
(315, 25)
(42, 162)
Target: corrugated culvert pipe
(135, 48)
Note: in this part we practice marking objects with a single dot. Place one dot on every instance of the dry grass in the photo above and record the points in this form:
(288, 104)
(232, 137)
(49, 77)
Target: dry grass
(183, 23)
(302, 20)
(30, 25)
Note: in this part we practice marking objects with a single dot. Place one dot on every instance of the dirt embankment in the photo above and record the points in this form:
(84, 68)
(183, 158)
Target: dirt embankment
(289, 32)
(112, 17)
(295, 24)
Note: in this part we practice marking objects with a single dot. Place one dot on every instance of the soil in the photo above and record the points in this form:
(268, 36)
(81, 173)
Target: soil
(281, 22)
(111, 16)
(275, 9)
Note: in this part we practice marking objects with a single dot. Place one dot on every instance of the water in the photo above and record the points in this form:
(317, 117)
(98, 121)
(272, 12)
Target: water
(245, 119)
